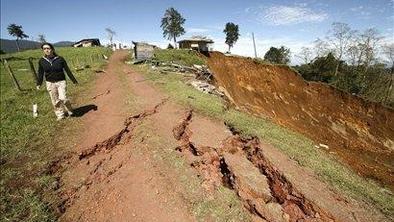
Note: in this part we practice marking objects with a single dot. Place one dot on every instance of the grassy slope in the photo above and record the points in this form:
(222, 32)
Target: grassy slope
(28, 144)
(181, 56)
(296, 146)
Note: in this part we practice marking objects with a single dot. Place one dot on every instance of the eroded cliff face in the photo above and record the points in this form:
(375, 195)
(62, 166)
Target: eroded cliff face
(359, 132)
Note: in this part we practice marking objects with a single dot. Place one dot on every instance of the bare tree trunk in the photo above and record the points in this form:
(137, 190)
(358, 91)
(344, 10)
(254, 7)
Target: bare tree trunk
(17, 44)
(336, 68)
(175, 42)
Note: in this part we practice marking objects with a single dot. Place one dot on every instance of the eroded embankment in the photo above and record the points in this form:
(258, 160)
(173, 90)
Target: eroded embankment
(361, 133)
(241, 165)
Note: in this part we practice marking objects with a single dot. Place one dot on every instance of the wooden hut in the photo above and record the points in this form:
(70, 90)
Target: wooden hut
(199, 43)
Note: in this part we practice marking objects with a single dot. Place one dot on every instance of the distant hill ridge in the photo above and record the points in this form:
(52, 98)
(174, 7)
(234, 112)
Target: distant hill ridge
(8, 46)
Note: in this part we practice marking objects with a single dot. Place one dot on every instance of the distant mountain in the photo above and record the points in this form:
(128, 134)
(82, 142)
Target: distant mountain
(10, 46)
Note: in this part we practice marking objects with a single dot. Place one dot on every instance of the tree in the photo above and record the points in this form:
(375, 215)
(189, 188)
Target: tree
(278, 55)
(41, 38)
(232, 34)
(388, 50)
(110, 34)
(170, 46)
(354, 53)
(16, 31)
(305, 54)
(369, 40)
(321, 69)
(171, 24)
(340, 38)
(321, 48)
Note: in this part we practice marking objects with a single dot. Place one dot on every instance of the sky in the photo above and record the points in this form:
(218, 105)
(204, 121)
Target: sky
(293, 24)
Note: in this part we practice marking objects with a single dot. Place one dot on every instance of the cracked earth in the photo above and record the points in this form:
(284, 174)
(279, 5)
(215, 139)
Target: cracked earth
(116, 172)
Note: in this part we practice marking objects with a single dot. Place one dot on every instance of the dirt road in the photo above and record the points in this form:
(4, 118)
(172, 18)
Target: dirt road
(142, 157)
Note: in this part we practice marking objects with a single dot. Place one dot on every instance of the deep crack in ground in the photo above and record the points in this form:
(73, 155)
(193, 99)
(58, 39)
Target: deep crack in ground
(240, 164)
(106, 146)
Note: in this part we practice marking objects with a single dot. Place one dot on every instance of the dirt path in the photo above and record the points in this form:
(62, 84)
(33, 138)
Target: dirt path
(118, 172)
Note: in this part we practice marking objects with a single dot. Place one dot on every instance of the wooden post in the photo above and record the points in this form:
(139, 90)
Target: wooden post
(33, 71)
(7, 66)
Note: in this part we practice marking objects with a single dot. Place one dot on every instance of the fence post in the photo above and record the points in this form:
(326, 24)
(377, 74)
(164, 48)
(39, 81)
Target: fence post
(33, 71)
(8, 68)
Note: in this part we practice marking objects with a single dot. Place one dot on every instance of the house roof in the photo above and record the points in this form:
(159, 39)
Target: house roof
(88, 40)
(197, 39)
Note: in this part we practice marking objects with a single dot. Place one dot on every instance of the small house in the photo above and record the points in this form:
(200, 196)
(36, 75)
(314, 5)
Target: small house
(87, 43)
(143, 50)
(199, 43)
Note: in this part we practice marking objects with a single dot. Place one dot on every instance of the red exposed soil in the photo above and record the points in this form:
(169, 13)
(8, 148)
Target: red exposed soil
(360, 133)
(112, 175)
(106, 180)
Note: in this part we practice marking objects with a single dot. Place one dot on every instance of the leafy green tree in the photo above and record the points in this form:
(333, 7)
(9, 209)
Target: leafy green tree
(171, 24)
(232, 34)
(278, 55)
(16, 31)
(321, 69)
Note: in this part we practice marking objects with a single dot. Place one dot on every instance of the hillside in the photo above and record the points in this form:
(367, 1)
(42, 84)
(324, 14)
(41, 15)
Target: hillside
(9, 46)
(359, 132)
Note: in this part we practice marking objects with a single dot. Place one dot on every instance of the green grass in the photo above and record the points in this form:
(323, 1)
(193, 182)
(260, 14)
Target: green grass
(28, 144)
(295, 145)
(179, 56)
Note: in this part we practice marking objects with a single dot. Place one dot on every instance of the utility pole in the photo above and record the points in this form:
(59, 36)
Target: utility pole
(254, 46)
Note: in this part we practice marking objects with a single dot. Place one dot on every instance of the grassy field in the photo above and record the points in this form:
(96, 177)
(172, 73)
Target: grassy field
(296, 146)
(28, 144)
(181, 56)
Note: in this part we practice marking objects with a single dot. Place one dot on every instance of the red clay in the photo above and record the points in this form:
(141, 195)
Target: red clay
(360, 133)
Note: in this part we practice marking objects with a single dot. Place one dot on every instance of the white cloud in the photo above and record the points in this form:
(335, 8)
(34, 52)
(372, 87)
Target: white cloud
(244, 46)
(363, 12)
(196, 30)
(287, 15)
(356, 9)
